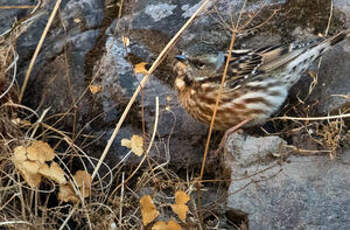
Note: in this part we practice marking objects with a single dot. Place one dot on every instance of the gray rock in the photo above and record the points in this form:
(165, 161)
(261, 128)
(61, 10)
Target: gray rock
(300, 193)
(333, 81)
(247, 150)
(9, 16)
(52, 89)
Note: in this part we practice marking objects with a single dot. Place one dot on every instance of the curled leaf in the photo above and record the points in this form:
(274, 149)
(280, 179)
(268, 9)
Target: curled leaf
(148, 209)
(171, 225)
(135, 144)
(180, 207)
(141, 68)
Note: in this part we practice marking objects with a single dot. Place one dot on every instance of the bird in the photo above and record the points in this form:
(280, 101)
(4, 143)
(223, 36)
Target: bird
(255, 86)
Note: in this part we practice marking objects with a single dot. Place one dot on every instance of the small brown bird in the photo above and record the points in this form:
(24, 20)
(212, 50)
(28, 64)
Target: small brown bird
(256, 85)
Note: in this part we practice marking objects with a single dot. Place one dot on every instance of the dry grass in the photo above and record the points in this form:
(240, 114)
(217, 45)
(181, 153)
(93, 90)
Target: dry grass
(115, 193)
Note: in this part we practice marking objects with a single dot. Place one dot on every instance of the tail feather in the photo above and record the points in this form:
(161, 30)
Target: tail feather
(339, 37)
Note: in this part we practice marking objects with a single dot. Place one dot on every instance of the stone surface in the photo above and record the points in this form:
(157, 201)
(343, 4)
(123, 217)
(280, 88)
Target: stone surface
(247, 150)
(333, 83)
(9, 16)
(297, 193)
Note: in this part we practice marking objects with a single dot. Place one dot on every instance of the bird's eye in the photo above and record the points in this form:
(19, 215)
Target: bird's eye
(198, 64)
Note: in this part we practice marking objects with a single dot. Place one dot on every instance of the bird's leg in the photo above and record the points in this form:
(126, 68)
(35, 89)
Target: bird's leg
(227, 133)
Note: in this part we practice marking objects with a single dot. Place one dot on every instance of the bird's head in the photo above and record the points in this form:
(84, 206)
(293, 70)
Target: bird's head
(191, 69)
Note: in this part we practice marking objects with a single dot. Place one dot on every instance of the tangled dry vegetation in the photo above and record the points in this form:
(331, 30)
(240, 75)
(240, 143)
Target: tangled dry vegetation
(48, 181)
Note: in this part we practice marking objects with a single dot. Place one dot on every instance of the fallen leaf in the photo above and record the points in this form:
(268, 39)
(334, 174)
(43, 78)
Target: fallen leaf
(141, 68)
(53, 172)
(135, 144)
(181, 210)
(83, 180)
(19, 154)
(181, 197)
(95, 88)
(77, 20)
(171, 225)
(160, 225)
(28, 169)
(126, 41)
(66, 194)
(180, 207)
(32, 179)
(18, 121)
(32, 163)
(31, 167)
(40, 151)
(148, 209)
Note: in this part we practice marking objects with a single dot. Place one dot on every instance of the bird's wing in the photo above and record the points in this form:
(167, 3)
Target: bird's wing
(245, 64)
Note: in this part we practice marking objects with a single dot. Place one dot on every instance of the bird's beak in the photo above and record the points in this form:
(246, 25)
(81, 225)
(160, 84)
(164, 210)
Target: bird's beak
(181, 58)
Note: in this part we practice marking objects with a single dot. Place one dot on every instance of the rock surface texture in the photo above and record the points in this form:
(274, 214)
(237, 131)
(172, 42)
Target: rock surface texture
(276, 187)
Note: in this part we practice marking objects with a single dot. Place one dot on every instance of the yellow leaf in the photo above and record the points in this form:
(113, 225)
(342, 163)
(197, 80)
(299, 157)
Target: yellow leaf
(126, 41)
(28, 169)
(31, 167)
(95, 88)
(135, 144)
(31, 163)
(171, 225)
(54, 172)
(180, 207)
(40, 151)
(32, 179)
(19, 154)
(181, 197)
(18, 121)
(160, 225)
(83, 180)
(126, 142)
(67, 194)
(141, 68)
(181, 210)
(148, 209)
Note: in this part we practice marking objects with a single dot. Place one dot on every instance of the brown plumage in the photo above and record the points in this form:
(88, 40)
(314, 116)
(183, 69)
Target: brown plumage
(256, 85)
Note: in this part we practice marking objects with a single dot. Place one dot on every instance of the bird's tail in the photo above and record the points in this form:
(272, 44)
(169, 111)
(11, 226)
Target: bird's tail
(338, 37)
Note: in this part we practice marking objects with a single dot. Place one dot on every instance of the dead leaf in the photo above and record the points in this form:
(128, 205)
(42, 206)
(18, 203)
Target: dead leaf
(180, 207)
(141, 68)
(66, 194)
(171, 225)
(181, 197)
(40, 151)
(83, 180)
(181, 210)
(18, 121)
(77, 20)
(95, 88)
(32, 179)
(53, 172)
(160, 225)
(19, 154)
(32, 163)
(148, 209)
(135, 144)
(31, 167)
(126, 41)
(28, 169)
